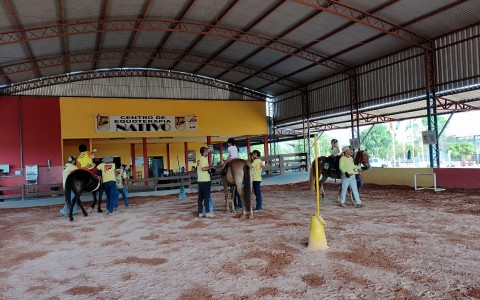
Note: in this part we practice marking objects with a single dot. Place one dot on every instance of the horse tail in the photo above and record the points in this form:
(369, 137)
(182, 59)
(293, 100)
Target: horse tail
(247, 185)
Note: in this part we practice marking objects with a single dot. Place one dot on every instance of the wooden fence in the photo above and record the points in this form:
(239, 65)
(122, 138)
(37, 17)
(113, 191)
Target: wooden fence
(274, 165)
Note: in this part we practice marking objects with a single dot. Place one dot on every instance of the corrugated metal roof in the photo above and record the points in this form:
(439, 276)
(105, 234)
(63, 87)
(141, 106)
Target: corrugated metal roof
(271, 47)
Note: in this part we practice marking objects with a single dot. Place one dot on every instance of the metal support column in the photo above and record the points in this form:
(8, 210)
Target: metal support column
(354, 113)
(429, 56)
(306, 120)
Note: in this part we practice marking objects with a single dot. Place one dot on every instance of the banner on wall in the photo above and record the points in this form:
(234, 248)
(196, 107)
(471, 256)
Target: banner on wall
(145, 123)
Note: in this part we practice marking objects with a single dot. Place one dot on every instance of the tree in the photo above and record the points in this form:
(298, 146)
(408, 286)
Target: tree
(462, 149)
(378, 141)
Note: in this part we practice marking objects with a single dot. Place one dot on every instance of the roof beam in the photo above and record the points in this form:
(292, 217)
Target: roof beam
(320, 39)
(286, 132)
(166, 36)
(99, 41)
(96, 74)
(22, 37)
(166, 26)
(364, 18)
(200, 37)
(61, 8)
(134, 36)
(247, 28)
(448, 104)
(116, 55)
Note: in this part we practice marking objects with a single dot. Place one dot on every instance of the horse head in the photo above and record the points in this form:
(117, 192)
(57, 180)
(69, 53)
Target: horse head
(361, 158)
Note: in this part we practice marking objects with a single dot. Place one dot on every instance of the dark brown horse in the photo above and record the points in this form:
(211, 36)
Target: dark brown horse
(238, 174)
(359, 158)
(79, 181)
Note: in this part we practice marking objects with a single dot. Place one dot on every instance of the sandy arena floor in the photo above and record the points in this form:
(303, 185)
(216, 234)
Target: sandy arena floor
(402, 245)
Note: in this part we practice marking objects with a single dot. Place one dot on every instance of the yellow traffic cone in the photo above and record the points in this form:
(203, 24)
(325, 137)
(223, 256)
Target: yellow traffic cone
(317, 240)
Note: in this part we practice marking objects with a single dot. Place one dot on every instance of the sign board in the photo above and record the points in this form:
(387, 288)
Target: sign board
(429, 137)
(355, 143)
(145, 123)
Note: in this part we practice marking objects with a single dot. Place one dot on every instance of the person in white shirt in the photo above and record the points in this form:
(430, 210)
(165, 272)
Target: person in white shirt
(232, 150)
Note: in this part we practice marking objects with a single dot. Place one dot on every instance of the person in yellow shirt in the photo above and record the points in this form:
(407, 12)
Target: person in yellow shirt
(257, 166)
(85, 158)
(69, 167)
(348, 168)
(204, 184)
(107, 167)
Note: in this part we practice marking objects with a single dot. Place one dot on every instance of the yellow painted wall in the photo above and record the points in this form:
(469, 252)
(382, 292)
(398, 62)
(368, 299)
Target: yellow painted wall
(218, 119)
(215, 118)
(397, 176)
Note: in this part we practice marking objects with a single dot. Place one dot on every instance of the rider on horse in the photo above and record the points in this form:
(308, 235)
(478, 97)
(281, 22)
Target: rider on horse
(332, 161)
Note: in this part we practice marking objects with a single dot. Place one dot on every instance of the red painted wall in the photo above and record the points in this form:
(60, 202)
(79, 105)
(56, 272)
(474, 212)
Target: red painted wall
(458, 178)
(38, 119)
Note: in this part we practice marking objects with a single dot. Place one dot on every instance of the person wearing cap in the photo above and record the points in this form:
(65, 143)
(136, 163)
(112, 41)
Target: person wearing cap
(69, 167)
(348, 168)
(204, 184)
(107, 167)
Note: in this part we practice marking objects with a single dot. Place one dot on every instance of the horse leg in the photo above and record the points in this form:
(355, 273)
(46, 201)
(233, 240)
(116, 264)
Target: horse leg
(72, 204)
(94, 194)
(242, 200)
(322, 191)
(80, 204)
(100, 193)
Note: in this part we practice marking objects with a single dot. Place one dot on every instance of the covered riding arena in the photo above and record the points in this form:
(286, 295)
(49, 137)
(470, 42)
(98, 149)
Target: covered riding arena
(150, 82)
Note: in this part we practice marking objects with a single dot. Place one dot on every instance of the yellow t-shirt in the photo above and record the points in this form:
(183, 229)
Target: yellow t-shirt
(203, 176)
(85, 160)
(346, 165)
(108, 171)
(257, 169)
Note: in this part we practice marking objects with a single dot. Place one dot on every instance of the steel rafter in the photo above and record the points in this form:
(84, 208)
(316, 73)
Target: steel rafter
(361, 17)
(166, 26)
(21, 35)
(321, 127)
(369, 118)
(99, 41)
(67, 78)
(134, 36)
(200, 37)
(141, 54)
(369, 40)
(447, 104)
(64, 50)
(323, 37)
(253, 24)
(166, 36)
(287, 132)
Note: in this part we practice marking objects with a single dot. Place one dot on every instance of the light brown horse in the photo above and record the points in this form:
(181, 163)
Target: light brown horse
(239, 175)
(359, 158)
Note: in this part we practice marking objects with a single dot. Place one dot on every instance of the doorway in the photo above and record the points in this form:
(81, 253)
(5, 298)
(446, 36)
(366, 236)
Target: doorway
(155, 166)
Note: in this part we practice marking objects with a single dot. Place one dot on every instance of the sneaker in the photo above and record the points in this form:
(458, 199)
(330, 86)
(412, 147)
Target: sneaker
(109, 214)
(201, 215)
(358, 205)
(259, 210)
(210, 215)
(342, 205)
